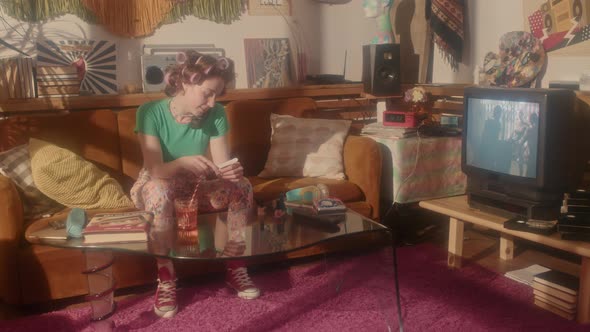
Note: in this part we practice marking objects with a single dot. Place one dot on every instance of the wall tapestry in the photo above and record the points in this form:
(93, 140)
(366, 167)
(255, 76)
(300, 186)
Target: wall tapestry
(135, 18)
(560, 24)
(268, 62)
(88, 64)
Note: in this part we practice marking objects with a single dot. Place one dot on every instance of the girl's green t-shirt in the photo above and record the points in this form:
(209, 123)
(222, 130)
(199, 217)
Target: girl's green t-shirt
(179, 140)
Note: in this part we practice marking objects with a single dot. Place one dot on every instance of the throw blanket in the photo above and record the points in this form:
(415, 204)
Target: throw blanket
(446, 22)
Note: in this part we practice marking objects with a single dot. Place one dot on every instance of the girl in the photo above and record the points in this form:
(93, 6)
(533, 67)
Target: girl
(174, 134)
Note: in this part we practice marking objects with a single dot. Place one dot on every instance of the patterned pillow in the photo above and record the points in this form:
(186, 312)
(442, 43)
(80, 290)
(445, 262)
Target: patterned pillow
(73, 181)
(16, 165)
(306, 147)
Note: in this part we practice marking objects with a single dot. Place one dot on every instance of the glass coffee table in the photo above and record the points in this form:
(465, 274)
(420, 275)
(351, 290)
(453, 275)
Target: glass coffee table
(257, 235)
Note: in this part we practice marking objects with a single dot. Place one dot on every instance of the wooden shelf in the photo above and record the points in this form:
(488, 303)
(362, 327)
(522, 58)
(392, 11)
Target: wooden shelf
(134, 100)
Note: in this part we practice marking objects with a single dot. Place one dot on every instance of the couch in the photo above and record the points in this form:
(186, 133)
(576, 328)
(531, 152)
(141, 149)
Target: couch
(35, 273)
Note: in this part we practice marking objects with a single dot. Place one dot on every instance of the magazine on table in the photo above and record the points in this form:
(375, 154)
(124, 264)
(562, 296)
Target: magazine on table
(118, 227)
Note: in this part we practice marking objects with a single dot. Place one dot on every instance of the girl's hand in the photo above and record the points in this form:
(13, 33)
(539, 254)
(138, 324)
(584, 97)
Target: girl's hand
(200, 166)
(232, 172)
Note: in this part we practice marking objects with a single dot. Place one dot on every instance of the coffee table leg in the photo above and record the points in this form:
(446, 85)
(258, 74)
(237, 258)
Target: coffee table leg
(99, 271)
(584, 292)
(456, 227)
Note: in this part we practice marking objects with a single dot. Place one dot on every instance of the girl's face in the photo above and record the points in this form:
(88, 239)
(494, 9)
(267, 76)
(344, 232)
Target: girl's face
(198, 99)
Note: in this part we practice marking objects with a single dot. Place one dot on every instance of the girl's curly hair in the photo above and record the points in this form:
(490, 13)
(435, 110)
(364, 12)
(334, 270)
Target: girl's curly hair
(193, 67)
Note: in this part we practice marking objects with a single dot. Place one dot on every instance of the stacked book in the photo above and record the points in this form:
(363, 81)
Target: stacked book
(123, 227)
(527, 274)
(557, 292)
(379, 130)
(17, 78)
(57, 81)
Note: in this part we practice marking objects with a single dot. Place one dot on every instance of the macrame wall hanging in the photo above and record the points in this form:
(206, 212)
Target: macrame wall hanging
(128, 18)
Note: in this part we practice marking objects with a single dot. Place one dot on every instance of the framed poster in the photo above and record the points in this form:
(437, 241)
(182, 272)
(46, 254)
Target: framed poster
(93, 63)
(269, 7)
(562, 25)
(268, 62)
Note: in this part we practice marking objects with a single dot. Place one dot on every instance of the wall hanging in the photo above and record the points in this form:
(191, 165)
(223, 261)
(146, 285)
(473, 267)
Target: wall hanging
(560, 25)
(129, 18)
(268, 62)
(72, 67)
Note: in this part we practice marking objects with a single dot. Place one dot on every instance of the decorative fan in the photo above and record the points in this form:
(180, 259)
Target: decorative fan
(95, 62)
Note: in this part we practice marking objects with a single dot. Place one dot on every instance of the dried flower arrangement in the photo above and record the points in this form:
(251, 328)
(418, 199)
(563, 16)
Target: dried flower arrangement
(418, 101)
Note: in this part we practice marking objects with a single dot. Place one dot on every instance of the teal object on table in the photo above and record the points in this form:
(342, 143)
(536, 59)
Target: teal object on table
(308, 194)
(76, 222)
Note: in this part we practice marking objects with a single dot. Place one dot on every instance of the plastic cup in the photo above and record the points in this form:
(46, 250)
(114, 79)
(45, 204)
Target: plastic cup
(186, 211)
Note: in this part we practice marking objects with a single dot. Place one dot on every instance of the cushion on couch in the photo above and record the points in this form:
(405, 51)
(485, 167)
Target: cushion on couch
(71, 180)
(269, 189)
(250, 130)
(306, 147)
(16, 165)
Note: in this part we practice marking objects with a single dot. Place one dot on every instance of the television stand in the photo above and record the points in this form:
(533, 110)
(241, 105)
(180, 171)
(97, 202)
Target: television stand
(459, 213)
(510, 207)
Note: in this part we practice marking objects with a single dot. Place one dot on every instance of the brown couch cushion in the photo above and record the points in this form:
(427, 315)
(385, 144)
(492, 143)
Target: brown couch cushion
(90, 134)
(269, 189)
(132, 159)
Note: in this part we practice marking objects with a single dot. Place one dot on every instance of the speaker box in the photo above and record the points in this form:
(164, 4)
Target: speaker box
(381, 69)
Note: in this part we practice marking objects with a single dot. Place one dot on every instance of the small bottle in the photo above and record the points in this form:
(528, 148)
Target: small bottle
(479, 76)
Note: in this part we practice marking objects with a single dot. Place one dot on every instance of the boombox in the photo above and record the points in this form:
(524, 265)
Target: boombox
(154, 62)
(561, 15)
(154, 69)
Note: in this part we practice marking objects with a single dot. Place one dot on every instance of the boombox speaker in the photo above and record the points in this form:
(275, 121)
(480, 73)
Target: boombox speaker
(381, 69)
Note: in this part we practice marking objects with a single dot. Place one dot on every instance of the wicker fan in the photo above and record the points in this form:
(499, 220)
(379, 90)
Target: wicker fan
(134, 18)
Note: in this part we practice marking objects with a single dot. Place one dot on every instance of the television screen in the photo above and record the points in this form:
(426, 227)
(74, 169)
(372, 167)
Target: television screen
(503, 136)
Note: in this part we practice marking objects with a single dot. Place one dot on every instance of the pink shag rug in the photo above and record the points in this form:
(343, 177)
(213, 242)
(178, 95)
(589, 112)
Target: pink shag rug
(340, 293)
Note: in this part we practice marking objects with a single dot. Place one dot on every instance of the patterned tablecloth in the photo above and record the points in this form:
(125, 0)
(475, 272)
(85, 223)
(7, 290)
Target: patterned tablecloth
(416, 169)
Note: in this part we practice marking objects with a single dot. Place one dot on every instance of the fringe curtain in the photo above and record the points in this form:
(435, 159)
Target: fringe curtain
(128, 18)
(35, 11)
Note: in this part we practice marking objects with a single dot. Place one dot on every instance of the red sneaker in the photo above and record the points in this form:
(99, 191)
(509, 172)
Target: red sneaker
(165, 305)
(238, 279)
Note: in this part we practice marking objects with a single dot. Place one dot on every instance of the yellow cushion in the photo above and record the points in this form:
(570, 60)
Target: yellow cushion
(305, 147)
(72, 181)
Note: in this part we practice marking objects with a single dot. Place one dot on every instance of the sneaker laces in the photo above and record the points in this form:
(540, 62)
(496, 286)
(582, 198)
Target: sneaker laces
(241, 277)
(166, 293)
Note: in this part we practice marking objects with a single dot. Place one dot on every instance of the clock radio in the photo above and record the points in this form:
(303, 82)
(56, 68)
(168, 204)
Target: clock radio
(400, 119)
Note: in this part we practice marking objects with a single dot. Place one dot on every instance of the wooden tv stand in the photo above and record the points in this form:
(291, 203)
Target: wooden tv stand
(459, 213)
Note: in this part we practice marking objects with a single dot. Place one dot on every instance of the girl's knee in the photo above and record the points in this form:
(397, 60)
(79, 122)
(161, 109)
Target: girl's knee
(159, 187)
(158, 197)
(244, 185)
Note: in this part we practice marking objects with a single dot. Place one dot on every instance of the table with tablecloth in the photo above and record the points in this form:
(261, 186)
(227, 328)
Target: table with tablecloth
(420, 168)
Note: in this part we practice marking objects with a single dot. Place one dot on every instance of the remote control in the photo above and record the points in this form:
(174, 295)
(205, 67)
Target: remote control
(227, 163)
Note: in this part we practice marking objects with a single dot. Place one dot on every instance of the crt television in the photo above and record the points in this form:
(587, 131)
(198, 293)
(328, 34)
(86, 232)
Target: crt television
(522, 149)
